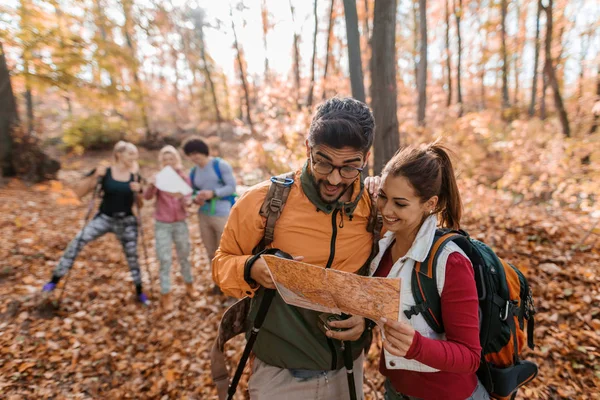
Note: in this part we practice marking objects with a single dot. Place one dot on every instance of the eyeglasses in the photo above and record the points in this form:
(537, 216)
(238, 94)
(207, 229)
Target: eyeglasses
(325, 168)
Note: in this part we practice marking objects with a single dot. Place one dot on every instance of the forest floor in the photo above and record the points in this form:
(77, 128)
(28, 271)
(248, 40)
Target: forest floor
(101, 344)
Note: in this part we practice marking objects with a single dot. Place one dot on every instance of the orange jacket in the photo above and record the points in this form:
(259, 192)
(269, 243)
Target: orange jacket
(306, 228)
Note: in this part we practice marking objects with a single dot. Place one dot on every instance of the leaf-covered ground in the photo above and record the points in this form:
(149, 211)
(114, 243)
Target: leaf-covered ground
(100, 344)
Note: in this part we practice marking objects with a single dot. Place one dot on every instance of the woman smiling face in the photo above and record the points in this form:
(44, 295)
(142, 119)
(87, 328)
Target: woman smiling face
(402, 209)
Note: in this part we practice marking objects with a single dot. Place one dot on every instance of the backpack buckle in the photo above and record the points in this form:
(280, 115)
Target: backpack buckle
(415, 310)
(275, 204)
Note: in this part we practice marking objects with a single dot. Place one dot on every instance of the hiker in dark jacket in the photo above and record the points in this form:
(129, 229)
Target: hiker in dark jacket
(324, 220)
(120, 189)
(214, 185)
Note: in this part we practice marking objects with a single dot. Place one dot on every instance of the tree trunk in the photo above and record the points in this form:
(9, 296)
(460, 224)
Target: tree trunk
(366, 22)
(505, 98)
(264, 12)
(448, 56)
(29, 101)
(422, 62)
(311, 88)
(383, 82)
(100, 19)
(9, 118)
(415, 35)
(457, 15)
(242, 71)
(483, 33)
(536, 58)
(354, 58)
(551, 74)
(543, 113)
(328, 47)
(128, 28)
(296, 57)
(595, 109)
(199, 20)
(519, 39)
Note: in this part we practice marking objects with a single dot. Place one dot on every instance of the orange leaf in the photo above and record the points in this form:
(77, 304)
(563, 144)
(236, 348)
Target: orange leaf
(25, 366)
(170, 375)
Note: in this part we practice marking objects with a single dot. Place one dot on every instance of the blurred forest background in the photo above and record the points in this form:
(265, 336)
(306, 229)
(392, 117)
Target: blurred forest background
(513, 87)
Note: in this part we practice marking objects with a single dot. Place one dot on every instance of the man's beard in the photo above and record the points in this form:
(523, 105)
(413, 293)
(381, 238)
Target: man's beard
(321, 184)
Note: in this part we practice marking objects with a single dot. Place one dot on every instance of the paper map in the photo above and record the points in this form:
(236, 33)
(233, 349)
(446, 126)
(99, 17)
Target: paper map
(168, 180)
(328, 290)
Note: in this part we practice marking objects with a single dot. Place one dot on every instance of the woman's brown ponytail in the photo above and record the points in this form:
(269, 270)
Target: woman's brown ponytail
(449, 203)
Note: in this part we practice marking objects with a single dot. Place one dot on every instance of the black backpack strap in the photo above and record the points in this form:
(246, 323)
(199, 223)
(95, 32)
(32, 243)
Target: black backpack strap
(424, 282)
(272, 206)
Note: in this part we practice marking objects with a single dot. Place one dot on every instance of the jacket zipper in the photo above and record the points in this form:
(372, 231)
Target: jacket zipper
(329, 262)
(333, 237)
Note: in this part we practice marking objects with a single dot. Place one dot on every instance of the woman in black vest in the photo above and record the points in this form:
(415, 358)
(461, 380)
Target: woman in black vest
(120, 189)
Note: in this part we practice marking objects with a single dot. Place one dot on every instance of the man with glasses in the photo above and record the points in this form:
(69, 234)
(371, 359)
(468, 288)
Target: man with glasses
(325, 222)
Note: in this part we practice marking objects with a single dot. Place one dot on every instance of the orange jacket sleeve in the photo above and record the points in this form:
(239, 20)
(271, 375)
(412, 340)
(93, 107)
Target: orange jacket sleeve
(244, 230)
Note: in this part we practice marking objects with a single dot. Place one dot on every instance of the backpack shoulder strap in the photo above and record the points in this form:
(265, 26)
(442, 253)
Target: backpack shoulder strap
(272, 206)
(192, 176)
(217, 168)
(424, 282)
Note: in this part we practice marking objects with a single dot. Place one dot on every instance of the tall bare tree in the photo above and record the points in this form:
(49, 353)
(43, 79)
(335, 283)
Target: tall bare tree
(242, 70)
(447, 55)
(8, 117)
(521, 14)
(550, 73)
(25, 11)
(596, 108)
(328, 46)
(422, 76)
(536, 58)
(415, 37)
(140, 98)
(366, 21)
(383, 82)
(311, 87)
(503, 50)
(458, 12)
(266, 25)
(354, 58)
(199, 18)
(296, 56)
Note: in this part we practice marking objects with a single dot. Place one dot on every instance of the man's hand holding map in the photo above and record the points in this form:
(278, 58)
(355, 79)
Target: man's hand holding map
(332, 291)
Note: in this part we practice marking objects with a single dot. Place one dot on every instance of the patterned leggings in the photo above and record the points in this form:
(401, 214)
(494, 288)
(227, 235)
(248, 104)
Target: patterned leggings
(165, 234)
(126, 230)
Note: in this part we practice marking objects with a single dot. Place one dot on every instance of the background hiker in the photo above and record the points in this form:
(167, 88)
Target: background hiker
(171, 227)
(325, 219)
(214, 186)
(119, 185)
(417, 186)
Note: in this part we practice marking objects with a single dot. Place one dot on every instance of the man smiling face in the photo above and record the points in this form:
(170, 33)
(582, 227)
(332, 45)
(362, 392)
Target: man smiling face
(334, 170)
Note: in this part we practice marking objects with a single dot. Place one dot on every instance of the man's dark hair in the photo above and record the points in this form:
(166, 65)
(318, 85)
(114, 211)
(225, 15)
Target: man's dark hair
(342, 122)
(194, 145)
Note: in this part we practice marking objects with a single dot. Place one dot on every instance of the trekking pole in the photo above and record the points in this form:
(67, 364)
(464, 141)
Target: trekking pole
(144, 248)
(85, 221)
(349, 364)
(258, 321)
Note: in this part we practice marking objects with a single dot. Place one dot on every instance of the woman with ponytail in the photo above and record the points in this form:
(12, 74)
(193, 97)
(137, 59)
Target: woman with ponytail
(418, 193)
(120, 188)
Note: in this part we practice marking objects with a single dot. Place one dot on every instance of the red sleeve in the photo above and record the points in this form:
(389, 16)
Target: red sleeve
(150, 192)
(461, 351)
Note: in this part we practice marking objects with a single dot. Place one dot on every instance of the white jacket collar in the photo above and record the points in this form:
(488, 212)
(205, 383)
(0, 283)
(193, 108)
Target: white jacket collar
(422, 243)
